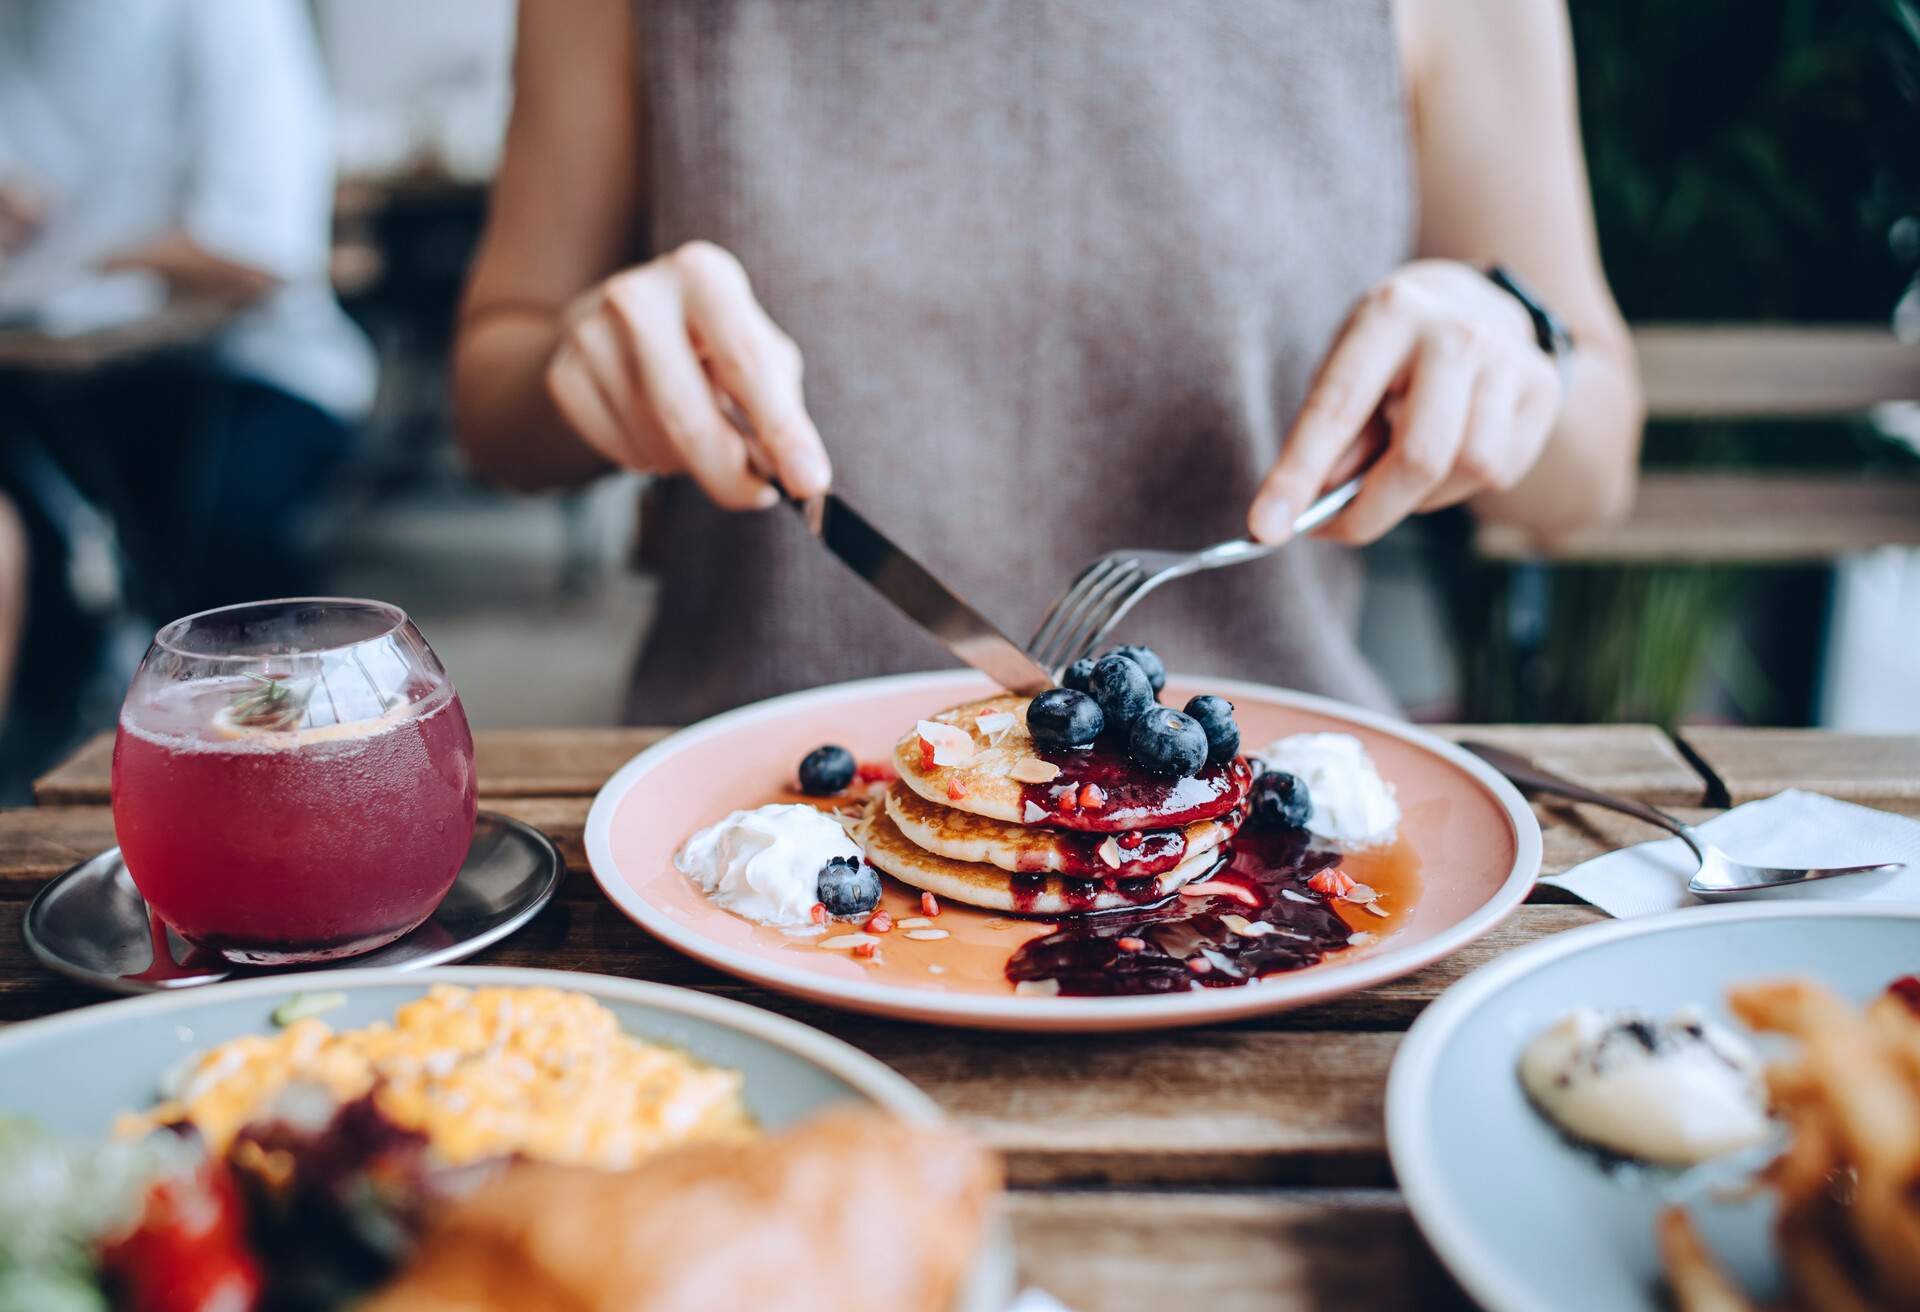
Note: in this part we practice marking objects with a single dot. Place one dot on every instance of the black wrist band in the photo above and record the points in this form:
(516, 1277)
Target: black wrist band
(1548, 330)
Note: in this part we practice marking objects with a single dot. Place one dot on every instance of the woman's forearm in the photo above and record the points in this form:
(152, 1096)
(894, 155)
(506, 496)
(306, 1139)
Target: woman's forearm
(509, 427)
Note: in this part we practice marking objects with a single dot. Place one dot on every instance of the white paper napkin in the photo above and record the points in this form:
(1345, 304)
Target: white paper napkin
(1793, 828)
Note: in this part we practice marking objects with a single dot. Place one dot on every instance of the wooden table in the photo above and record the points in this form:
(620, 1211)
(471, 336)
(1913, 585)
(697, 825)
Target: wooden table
(1241, 1166)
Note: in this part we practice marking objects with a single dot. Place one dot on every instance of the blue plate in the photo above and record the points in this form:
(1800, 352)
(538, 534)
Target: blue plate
(1523, 1218)
(76, 1072)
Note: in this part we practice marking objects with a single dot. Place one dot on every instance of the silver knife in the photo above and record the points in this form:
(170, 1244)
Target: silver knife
(923, 598)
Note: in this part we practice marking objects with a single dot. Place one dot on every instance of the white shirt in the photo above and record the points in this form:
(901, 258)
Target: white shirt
(133, 117)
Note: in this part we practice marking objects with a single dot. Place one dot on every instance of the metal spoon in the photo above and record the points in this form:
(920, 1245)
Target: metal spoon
(1719, 876)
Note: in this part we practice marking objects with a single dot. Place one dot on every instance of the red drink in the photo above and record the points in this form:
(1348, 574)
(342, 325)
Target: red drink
(325, 833)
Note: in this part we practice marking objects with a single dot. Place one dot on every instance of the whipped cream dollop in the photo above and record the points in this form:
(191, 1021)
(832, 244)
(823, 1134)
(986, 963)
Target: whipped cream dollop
(764, 864)
(1676, 1091)
(1352, 805)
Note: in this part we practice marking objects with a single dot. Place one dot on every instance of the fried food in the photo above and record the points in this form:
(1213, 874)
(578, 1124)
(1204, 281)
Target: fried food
(851, 1212)
(1849, 1184)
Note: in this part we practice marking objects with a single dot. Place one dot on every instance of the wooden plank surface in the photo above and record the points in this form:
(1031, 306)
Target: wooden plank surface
(1874, 770)
(1768, 518)
(1636, 759)
(1233, 1252)
(1702, 370)
(1236, 1166)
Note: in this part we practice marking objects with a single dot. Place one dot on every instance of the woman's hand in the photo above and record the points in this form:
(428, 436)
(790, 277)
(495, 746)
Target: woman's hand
(656, 363)
(1450, 363)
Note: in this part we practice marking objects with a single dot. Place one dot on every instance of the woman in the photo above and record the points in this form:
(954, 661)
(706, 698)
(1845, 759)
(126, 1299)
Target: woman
(1065, 275)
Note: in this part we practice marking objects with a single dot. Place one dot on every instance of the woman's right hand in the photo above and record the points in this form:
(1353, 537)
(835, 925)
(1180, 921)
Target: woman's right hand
(655, 363)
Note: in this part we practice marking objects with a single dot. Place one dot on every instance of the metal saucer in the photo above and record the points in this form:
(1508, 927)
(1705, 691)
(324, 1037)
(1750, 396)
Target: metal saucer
(92, 925)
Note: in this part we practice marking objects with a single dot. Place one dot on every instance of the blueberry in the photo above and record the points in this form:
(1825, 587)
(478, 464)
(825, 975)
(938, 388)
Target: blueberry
(1168, 742)
(1061, 717)
(1147, 659)
(1079, 675)
(1122, 689)
(848, 887)
(824, 771)
(1279, 801)
(1215, 715)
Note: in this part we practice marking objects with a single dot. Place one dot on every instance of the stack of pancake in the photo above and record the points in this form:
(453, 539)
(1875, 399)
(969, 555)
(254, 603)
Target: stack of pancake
(1011, 827)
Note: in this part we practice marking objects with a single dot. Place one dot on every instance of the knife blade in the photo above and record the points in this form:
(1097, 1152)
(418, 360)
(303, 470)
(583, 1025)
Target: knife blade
(923, 598)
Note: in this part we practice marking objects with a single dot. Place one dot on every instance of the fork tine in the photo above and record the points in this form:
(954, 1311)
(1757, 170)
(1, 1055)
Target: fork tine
(1048, 633)
(1097, 616)
(1074, 615)
(1143, 584)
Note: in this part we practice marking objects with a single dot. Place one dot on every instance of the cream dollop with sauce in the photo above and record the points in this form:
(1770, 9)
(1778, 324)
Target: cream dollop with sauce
(1675, 1092)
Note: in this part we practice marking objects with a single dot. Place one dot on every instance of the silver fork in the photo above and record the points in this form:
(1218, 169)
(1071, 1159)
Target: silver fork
(1106, 590)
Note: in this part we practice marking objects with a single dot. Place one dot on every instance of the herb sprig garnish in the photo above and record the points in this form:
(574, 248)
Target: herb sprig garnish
(273, 704)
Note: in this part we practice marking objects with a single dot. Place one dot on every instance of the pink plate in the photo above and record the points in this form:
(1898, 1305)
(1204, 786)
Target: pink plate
(1469, 850)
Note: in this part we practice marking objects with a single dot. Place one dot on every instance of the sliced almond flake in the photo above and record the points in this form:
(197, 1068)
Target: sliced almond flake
(1374, 909)
(1033, 770)
(1361, 938)
(913, 922)
(804, 931)
(1032, 813)
(1293, 896)
(935, 968)
(1210, 887)
(996, 725)
(927, 935)
(952, 745)
(1038, 988)
(1360, 893)
(847, 942)
(1247, 928)
(1110, 852)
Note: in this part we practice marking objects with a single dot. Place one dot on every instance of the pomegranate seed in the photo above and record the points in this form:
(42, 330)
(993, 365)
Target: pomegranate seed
(929, 905)
(1199, 965)
(926, 755)
(819, 913)
(1331, 883)
(956, 788)
(1092, 798)
(880, 924)
(865, 949)
(1131, 838)
(1130, 944)
(876, 772)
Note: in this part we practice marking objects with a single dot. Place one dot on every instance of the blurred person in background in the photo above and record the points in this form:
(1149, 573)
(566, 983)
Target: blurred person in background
(1063, 276)
(170, 150)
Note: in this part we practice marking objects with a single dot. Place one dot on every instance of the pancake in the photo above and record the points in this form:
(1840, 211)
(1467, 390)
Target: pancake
(1006, 779)
(981, 885)
(963, 836)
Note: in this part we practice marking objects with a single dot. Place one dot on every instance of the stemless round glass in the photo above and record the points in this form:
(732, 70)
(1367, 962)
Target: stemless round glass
(293, 780)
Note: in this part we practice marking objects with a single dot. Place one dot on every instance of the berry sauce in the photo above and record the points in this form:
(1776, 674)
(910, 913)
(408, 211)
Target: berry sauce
(1907, 989)
(1153, 852)
(1099, 790)
(1184, 941)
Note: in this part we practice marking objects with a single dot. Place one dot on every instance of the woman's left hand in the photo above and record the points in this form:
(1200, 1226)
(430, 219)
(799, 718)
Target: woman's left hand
(1450, 362)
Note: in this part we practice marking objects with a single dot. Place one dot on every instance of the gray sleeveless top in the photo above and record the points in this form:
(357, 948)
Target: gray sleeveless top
(1061, 270)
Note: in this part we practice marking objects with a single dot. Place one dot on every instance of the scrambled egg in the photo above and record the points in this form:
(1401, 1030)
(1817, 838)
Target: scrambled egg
(482, 1073)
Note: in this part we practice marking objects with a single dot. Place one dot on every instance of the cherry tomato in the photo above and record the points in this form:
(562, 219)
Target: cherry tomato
(189, 1251)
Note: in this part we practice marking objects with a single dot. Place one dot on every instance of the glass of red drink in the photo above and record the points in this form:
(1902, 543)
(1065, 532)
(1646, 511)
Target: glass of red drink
(293, 780)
